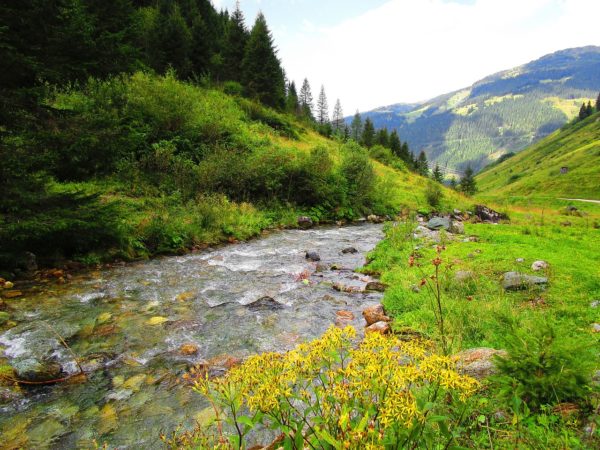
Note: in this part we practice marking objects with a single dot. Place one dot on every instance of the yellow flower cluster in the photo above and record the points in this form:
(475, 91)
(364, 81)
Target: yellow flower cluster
(355, 390)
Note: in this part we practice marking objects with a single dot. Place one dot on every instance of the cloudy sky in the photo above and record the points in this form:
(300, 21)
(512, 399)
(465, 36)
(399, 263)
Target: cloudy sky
(370, 53)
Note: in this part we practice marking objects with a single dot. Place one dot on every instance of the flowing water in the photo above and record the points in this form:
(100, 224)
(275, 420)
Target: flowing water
(127, 326)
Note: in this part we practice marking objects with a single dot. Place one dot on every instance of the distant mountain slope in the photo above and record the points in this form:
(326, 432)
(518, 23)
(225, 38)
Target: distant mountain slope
(565, 164)
(502, 113)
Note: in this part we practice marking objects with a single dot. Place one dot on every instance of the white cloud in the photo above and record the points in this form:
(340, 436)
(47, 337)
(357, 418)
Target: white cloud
(410, 50)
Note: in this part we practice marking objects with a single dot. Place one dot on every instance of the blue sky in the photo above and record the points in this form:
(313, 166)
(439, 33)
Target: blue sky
(370, 53)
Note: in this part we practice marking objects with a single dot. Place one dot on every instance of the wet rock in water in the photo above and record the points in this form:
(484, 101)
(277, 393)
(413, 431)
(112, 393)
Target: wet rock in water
(478, 362)
(539, 265)
(375, 219)
(34, 370)
(514, 281)
(345, 315)
(379, 327)
(486, 214)
(375, 286)
(439, 223)
(265, 303)
(463, 275)
(305, 222)
(374, 314)
(348, 289)
(457, 227)
(188, 349)
(312, 256)
(351, 250)
(320, 268)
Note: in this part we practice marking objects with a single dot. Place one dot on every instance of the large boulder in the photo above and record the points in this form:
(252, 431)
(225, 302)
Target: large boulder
(479, 362)
(374, 314)
(35, 370)
(439, 223)
(305, 222)
(515, 281)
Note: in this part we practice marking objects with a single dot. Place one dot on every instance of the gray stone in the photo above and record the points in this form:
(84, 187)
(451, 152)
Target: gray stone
(463, 275)
(312, 256)
(376, 286)
(478, 362)
(34, 370)
(514, 281)
(265, 303)
(439, 223)
(305, 222)
(349, 250)
(595, 304)
(457, 227)
(539, 265)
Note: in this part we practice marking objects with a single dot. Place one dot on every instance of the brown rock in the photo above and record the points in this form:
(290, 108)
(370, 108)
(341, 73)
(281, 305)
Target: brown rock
(225, 361)
(376, 286)
(478, 362)
(188, 349)
(345, 315)
(379, 327)
(12, 294)
(374, 314)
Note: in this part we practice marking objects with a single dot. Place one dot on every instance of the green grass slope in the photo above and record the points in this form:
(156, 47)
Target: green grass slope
(536, 172)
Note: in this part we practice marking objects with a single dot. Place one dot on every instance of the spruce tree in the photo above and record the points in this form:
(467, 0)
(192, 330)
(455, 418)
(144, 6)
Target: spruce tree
(382, 138)
(437, 174)
(356, 127)
(306, 100)
(453, 182)
(406, 155)
(368, 134)
(467, 182)
(395, 144)
(598, 103)
(589, 109)
(338, 116)
(291, 101)
(423, 164)
(263, 76)
(173, 40)
(234, 47)
(322, 107)
(583, 111)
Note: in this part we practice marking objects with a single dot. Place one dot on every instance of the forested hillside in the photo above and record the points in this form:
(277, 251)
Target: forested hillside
(136, 128)
(503, 113)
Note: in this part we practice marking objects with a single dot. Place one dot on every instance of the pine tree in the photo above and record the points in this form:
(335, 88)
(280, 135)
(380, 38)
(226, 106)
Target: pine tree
(306, 100)
(589, 109)
(368, 134)
(598, 103)
(234, 47)
(467, 182)
(322, 107)
(338, 116)
(382, 138)
(356, 127)
(263, 77)
(291, 101)
(173, 40)
(437, 174)
(583, 111)
(406, 155)
(395, 144)
(423, 164)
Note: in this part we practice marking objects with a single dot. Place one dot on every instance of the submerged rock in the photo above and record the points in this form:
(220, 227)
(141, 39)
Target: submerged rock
(478, 362)
(374, 314)
(351, 250)
(35, 370)
(312, 256)
(514, 281)
(305, 222)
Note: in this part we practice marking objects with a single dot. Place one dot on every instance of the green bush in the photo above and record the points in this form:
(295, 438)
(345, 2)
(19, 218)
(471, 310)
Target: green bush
(544, 366)
(434, 194)
(357, 170)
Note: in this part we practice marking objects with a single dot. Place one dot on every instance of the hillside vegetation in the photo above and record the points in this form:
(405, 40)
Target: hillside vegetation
(536, 172)
(503, 113)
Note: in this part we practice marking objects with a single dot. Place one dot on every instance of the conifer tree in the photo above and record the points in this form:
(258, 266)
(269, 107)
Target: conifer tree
(453, 182)
(356, 127)
(368, 134)
(306, 100)
(338, 116)
(406, 154)
(175, 41)
(322, 107)
(395, 144)
(598, 103)
(423, 164)
(263, 77)
(583, 111)
(467, 182)
(236, 39)
(291, 101)
(437, 174)
(383, 137)
(589, 109)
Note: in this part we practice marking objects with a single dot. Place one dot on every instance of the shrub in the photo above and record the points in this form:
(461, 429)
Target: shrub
(434, 194)
(544, 367)
(330, 393)
(357, 170)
